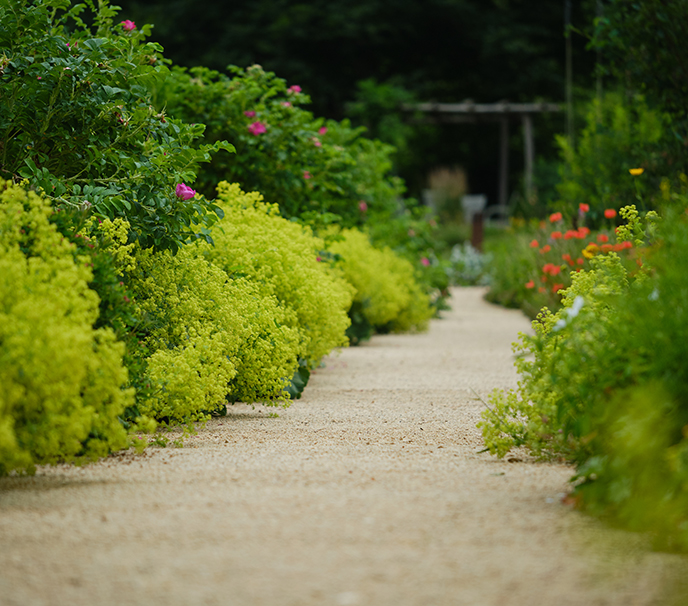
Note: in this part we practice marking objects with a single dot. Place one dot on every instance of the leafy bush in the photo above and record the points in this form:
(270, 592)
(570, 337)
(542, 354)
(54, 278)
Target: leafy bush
(61, 381)
(388, 296)
(603, 384)
(210, 337)
(286, 262)
(76, 119)
(315, 170)
(621, 133)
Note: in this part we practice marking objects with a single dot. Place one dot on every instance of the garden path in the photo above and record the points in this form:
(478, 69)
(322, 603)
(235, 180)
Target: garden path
(368, 491)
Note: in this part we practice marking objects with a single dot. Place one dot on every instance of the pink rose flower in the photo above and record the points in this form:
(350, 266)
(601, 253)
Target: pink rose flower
(425, 262)
(128, 25)
(322, 130)
(249, 114)
(294, 89)
(307, 174)
(257, 128)
(362, 206)
(184, 192)
(316, 142)
(286, 103)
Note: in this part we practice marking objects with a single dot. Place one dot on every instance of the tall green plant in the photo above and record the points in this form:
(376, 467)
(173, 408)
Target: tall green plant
(76, 119)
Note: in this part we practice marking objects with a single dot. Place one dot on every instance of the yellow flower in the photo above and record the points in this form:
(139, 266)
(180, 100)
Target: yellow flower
(590, 250)
(636, 171)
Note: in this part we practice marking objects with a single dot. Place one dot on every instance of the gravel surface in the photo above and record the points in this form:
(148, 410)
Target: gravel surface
(370, 490)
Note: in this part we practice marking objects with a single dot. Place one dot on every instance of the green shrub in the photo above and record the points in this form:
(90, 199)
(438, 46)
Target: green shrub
(209, 338)
(61, 381)
(286, 262)
(603, 384)
(388, 296)
(76, 119)
(315, 170)
(620, 133)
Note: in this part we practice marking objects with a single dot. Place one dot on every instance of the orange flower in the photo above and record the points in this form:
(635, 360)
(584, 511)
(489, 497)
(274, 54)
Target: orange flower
(545, 249)
(584, 208)
(556, 235)
(534, 244)
(602, 238)
(610, 213)
(530, 284)
(554, 217)
(551, 269)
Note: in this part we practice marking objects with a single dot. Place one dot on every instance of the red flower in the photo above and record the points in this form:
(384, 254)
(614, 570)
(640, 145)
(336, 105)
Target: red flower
(554, 217)
(610, 213)
(534, 244)
(602, 238)
(556, 235)
(545, 249)
(584, 208)
(530, 284)
(580, 260)
(583, 232)
(556, 288)
(571, 233)
(567, 258)
(606, 248)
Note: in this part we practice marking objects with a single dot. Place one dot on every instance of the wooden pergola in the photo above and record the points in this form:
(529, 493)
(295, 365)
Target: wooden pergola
(502, 112)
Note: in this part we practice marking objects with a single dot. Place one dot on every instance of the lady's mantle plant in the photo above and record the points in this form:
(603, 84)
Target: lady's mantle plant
(76, 119)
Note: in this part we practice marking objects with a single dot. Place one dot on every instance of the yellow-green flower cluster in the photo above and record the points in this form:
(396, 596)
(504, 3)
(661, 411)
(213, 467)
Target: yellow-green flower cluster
(385, 283)
(60, 380)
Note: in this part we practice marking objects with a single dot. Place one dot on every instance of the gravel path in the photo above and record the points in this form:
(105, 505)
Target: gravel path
(368, 491)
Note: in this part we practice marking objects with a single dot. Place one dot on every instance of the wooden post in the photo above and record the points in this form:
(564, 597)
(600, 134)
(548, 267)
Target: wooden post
(504, 161)
(529, 155)
(477, 232)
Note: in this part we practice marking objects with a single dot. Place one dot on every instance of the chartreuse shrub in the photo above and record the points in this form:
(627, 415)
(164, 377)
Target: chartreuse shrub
(286, 262)
(76, 118)
(210, 337)
(388, 296)
(604, 384)
(61, 381)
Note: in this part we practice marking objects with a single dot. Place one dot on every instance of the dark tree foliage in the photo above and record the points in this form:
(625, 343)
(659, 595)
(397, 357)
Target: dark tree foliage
(446, 50)
(643, 45)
